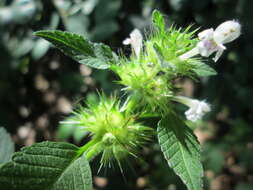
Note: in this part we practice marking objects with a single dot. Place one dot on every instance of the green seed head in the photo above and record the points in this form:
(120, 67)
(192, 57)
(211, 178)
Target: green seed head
(113, 128)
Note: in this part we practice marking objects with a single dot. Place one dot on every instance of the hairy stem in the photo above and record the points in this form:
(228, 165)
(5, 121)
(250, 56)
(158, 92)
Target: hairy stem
(94, 151)
(86, 147)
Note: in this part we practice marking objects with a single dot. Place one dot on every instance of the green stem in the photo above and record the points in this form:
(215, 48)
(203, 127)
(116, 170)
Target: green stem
(86, 147)
(94, 151)
(134, 100)
(91, 149)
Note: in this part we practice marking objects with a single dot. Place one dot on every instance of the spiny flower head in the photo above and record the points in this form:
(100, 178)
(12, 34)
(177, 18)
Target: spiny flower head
(149, 74)
(114, 131)
(164, 47)
(143, 82)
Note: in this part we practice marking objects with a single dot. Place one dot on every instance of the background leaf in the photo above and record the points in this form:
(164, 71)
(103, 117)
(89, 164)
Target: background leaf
(6, 146)
(95, 55)
(67, 129)
(46, 166)
(181, 150)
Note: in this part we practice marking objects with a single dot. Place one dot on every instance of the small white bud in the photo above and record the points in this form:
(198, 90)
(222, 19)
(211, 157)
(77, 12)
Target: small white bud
(135, 41)
(197, 109)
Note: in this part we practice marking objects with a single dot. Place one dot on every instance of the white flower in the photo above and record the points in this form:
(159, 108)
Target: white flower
(135, 41)
(212, 40)
(197, 109)
(208, 45)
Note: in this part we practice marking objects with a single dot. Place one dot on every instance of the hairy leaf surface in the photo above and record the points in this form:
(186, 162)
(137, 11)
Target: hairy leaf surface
(46, 166)
(95, 55)
(181, 149)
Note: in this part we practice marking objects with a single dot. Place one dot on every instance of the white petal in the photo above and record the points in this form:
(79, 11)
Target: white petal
(136, 34)
(189, 112)
(206, 34)
(205, 107)
(219, 52)
(136, 41)
(206, 47)
(202, 49)
(192, 117)
(197, 108)
(127, 41)
(227, 32)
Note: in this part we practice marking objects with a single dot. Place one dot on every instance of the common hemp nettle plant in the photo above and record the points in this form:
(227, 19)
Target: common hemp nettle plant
(116, 124)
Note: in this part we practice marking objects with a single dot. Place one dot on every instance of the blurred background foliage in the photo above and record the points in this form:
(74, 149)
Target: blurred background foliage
(39, 86)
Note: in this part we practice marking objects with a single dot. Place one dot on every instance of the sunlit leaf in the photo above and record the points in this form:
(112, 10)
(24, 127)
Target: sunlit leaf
(95, 55)
(46, 166)
(181, 149)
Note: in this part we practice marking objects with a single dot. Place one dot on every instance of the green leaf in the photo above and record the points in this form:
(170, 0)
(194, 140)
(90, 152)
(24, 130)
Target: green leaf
(158, 20)
(46, 166)
(181, 149)
(203, 70)
(6, 146)
(95, 55)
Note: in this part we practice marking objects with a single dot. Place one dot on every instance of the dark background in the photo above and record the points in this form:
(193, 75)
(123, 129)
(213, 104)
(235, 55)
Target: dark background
(39, 85)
